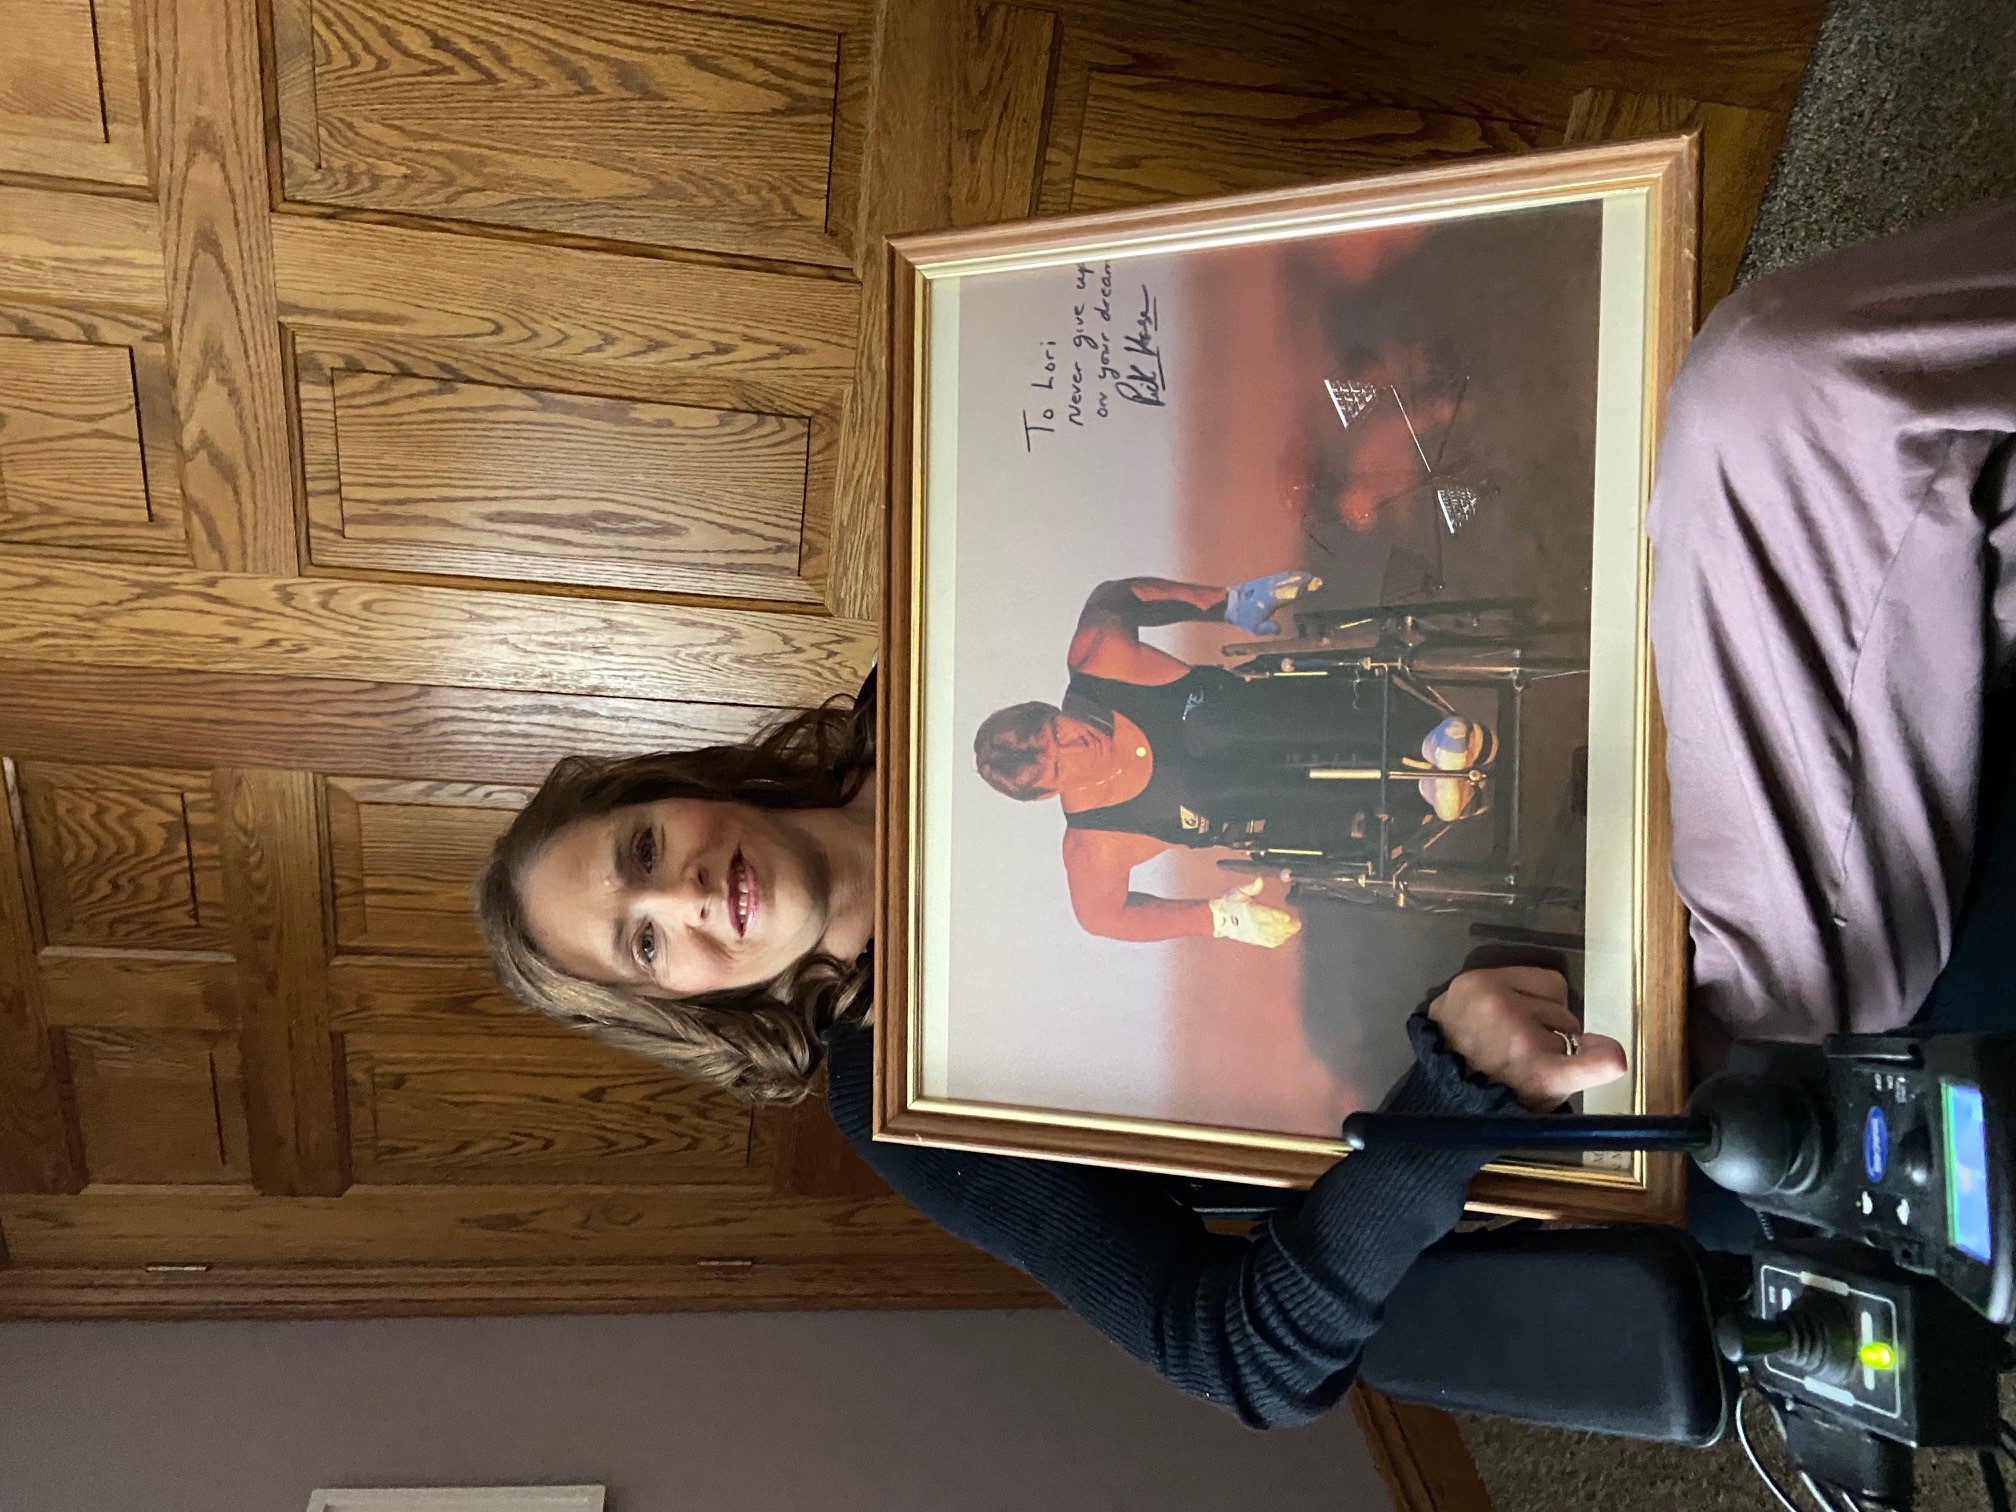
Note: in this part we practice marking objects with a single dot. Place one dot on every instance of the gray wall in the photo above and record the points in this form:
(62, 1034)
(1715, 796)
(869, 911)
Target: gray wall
(812, 1412)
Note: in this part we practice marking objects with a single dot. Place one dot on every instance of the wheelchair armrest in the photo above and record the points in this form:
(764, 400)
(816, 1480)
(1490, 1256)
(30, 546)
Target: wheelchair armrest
(1607, 1330)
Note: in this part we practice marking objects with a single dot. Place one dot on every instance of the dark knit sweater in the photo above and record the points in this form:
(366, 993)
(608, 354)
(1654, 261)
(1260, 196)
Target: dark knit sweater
(1269, 1325)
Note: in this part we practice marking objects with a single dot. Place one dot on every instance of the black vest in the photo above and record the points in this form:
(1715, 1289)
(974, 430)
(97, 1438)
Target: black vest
(1229, 757)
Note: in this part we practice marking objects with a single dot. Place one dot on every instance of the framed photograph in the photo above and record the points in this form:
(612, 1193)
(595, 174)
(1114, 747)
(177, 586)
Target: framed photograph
(1265, 637)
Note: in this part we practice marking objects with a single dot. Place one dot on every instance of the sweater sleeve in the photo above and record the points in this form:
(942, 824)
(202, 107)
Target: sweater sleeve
(1269, 1325)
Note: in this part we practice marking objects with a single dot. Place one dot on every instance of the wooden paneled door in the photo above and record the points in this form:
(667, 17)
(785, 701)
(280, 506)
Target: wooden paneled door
(397, 396)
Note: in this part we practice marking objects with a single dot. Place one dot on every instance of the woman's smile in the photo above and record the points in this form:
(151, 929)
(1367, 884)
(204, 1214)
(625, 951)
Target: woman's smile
(745, 894)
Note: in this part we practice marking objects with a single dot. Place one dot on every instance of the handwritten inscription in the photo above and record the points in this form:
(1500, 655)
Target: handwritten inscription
(1103, 363)
(1045, 422)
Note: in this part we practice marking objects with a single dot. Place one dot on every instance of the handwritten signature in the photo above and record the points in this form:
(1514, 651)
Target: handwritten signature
(1145, 383)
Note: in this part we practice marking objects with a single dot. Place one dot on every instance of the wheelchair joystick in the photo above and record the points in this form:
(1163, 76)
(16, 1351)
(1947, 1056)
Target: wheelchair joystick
(1814, 1337)
(1767, 1136)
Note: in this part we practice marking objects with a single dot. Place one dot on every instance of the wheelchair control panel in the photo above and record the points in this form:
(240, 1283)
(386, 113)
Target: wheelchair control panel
(1922, 1164)
(1893, 1354)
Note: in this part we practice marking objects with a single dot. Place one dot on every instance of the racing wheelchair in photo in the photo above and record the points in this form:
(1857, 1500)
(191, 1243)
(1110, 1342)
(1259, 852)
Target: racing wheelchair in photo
(1475, 864)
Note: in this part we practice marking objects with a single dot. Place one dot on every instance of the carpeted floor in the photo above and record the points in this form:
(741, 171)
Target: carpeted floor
(1907, 113)
(1541, 1470)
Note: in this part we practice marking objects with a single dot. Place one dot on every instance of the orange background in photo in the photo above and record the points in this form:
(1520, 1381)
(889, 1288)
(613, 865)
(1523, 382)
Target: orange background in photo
(1237, 1007)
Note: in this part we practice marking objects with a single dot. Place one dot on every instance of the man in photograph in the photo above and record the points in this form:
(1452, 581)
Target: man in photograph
(1147, 752)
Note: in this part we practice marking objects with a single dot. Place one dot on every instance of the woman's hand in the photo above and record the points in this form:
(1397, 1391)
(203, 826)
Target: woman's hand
(1239, 915)
(1503, 1022)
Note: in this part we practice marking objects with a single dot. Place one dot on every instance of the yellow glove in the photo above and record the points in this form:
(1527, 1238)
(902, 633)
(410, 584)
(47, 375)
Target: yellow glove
(1236, 916)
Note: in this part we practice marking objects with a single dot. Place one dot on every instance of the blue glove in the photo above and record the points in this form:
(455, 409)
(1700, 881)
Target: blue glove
(1250, 605)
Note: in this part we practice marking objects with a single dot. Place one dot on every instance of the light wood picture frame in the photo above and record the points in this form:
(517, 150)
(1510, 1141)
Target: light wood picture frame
(1200, 383)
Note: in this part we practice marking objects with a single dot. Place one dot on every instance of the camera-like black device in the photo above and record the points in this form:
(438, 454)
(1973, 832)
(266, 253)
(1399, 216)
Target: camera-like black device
(1875, 1319)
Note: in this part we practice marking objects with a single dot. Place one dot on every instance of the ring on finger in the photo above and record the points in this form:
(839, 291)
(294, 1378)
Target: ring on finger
(1571, 1044)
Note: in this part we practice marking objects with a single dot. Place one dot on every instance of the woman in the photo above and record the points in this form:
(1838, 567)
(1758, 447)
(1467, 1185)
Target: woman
(1835, 508)
(712, 910)
(1147, 752)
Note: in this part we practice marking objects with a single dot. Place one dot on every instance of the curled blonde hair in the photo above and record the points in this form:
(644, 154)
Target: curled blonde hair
(764, 1043)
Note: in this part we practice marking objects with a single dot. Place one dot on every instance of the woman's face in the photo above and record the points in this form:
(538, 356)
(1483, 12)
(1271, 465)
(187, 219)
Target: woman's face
(682, 896)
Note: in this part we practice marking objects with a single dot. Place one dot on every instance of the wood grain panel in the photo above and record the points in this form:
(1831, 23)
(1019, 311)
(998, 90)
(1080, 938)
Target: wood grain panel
(69, 439)
(74, 472)
(68, 250)
(121, 83)
(405, 855)
(689, 333)
(160, 452)
(822, 470)
(363, 1290)
(618, 119)
(159, 1105)
(124, 856)
(1004, 91)
(1071, 78)
(814, 1158)
(431, 475)
(293, 63)
(467, 1108)
(1148, 139)
(49, 72)
(208, 126)
(1470, 57)
(139, 989)
(39, 1147)
(152, 617)
(294, 1104)
(294, 50)
(462, 1225)
(371, 729)
(97, 327)
(328, 348)
(139, 335)
(1738, 147)
(853, 77)
(70, 91)
(406, 994)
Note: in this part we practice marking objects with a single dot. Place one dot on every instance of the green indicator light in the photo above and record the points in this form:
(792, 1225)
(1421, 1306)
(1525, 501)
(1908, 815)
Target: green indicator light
(1877, 1355)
